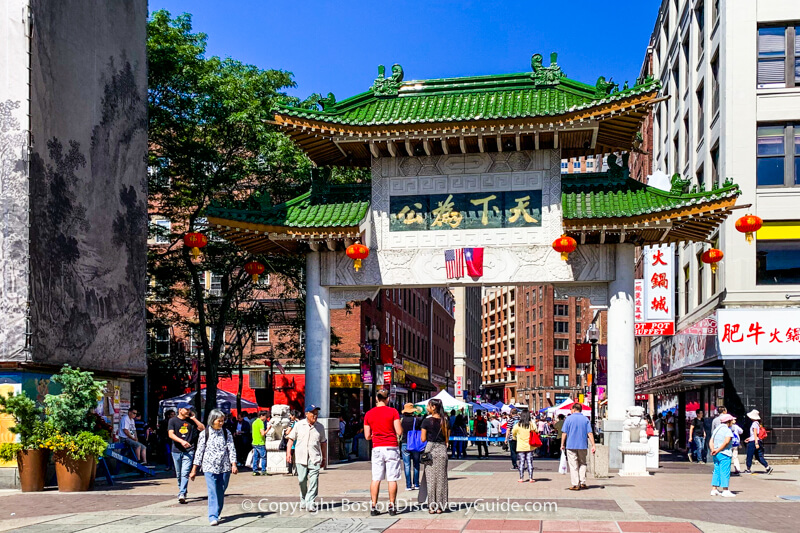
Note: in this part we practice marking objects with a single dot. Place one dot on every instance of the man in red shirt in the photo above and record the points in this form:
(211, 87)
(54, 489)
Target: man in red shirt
(382, 426)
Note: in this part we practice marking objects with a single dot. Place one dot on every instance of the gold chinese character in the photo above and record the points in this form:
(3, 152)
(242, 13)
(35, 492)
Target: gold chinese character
(485, 210)
(445, 214)
(409, 216)
(521, 209)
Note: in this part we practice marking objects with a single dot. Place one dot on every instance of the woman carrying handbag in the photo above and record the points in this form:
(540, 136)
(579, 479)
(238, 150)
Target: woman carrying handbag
(528, 440)
(434, 477)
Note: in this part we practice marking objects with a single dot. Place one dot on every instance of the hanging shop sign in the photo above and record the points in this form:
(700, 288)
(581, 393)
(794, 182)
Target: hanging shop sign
(459, 391)
(399, 376)
(387, 374)
(346, 381)
(415, 369)
(682, 349)
(751, 332)
(640, 375)
(366, 373)
(656, 308)
(521, 368)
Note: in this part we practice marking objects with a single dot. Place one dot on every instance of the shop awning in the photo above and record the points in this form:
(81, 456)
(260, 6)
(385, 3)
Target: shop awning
(681, 380)
(422, 384)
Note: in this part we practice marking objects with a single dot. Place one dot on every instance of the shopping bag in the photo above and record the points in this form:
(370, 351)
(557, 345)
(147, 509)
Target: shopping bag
(562, 464)
(249, 460)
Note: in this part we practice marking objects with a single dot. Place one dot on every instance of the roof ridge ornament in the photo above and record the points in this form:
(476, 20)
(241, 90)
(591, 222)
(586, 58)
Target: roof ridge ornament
(383, 86)
(603, 88)
(615, 170)
(544, 76)
(679, 185)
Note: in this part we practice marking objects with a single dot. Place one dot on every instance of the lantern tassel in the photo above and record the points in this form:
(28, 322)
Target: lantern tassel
(255, 278)
(749, 237)
(564, 256)
(713, 268)
(357, 264)
(195, 252)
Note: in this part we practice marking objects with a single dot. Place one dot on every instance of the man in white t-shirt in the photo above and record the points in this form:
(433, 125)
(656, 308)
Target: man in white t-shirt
(127, 433)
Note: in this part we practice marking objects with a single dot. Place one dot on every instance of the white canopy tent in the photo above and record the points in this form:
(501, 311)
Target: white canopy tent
(448, 402)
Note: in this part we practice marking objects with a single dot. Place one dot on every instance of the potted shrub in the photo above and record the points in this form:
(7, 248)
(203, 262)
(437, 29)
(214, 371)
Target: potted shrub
(76, 458)
(71, 428)
(31, 457)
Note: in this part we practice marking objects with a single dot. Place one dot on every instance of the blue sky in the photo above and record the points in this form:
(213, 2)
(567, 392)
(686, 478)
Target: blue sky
(336, 46)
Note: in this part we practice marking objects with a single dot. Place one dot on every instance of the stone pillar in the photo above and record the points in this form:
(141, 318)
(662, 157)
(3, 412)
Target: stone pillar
(318, 338)
(620, 389)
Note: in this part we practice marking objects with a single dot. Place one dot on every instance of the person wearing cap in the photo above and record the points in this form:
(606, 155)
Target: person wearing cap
(310, 456)
(721, 453)
(755, 446)
(182, 431)
(409, 422)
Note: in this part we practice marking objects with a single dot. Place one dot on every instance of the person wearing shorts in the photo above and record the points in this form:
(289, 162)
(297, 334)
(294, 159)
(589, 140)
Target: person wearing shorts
(382, 426)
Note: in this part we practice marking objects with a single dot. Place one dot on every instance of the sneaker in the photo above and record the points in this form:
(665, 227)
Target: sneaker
(409, 489)
(374, 512)
(181, 498)
(747, 471)
(690, 458)
(727, 494)
(769, 470)
(514, 468)
(213, 522)
(416, 487)
(256, 473)
(302, 504)
(715, 492)
(392, 510)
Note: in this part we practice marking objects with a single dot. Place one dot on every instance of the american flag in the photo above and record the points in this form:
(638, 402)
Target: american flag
(454, 263)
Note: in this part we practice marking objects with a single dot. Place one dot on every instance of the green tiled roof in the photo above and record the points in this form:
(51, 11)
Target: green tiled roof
(337, 206)
(599, 196)
(506, 96)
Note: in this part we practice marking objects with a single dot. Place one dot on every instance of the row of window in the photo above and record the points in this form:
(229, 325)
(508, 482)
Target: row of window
(778, 56)
(560, 381)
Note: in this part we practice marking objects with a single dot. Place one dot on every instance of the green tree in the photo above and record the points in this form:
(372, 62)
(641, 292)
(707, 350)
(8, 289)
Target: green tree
(70, 412)
(210, 140)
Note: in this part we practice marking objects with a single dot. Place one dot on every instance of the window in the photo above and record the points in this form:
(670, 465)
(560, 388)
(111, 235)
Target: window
(561, 327)
(778, 57)
(676, 162)
(561, 381)
(262, 336)
(715, 13)
(686, 140)
(701, 118)
(541, 346)
(578, 328)
(578, 311)
(589, 164)
(564, 167)
(686, 284)
(777, 262)
(701, 179)
(700, 17)
(541, 329)
(561, 361)
(715, 166)
(715, 85)
(785, 395)
(561, 345)
(685, 49)
(561, 310)
(215, 285)
(161, 229)
(576, 165)
(778, 152)
(700, 274)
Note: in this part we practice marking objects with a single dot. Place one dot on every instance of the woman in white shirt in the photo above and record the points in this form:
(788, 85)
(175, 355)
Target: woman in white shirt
(720, 444)
(216, 455)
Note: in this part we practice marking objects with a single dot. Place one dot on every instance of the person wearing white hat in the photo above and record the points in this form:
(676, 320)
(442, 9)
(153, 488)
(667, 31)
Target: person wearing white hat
(721, 452)
(755, 446)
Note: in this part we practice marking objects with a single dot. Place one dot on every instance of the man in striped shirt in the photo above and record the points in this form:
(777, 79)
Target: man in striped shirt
(510, 440)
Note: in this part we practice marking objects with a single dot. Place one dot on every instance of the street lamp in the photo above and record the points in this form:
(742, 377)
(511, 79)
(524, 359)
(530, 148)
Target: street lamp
(593, 334)
(374, 337)
(447, 375)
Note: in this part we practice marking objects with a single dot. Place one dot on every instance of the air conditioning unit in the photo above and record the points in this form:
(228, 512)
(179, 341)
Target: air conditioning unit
(258, 379)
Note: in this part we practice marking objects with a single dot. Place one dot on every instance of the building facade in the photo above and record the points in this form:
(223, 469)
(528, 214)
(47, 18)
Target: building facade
(467, 350)
(731, 109)
(500, 326)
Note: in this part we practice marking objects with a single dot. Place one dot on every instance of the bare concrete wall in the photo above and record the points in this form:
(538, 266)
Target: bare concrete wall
(88, 183)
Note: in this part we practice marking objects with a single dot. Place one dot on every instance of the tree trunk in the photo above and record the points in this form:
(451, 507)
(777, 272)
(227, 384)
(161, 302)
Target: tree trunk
(241, 381)
(211, 383)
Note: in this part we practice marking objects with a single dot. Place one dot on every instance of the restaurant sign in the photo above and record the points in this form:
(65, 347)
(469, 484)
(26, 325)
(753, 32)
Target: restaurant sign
(512, 209)
(654, 296)
(415, 369)
(758, 333)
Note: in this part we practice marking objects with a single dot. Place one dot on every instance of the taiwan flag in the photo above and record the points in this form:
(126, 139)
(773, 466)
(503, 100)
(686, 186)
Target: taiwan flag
(473, 257)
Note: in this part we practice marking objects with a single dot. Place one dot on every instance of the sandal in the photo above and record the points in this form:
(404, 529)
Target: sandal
(520, 481)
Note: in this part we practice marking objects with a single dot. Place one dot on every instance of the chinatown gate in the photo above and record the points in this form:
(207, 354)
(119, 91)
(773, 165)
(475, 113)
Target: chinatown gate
(476, 162)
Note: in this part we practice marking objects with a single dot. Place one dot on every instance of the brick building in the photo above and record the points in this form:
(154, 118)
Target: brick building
(500, 326)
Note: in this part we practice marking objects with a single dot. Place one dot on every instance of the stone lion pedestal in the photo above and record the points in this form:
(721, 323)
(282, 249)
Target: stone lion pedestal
(276, 458)
(634, 447)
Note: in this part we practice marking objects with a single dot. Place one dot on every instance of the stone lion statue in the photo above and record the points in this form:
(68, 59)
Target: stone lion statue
(280, 420)
(634, 428)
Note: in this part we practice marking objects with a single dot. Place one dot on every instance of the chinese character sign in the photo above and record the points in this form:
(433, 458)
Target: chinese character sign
(459, 386)
(657, 302)
(509, 209)
(750, 332)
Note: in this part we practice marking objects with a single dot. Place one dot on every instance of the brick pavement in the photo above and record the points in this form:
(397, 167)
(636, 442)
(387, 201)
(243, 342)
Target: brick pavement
(673, 500)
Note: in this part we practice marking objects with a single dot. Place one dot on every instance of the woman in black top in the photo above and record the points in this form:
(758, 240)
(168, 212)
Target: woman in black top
(410, 457)
(434, 478)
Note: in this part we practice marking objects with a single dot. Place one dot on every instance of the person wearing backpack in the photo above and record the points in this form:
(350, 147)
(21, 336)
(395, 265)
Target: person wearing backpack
(755, 446)
(411, 445)
(481, 428)
(216, 456)
(528, 440)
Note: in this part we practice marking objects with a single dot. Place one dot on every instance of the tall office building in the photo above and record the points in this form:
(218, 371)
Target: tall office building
(731, 82)
(467, 349)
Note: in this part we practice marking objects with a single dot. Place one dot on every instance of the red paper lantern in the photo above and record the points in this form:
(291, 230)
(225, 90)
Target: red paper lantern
(413, 386)
(357, 252)
(748, 225)
(195, 241)
(565, 245)
(254, 268)
(712, 257)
